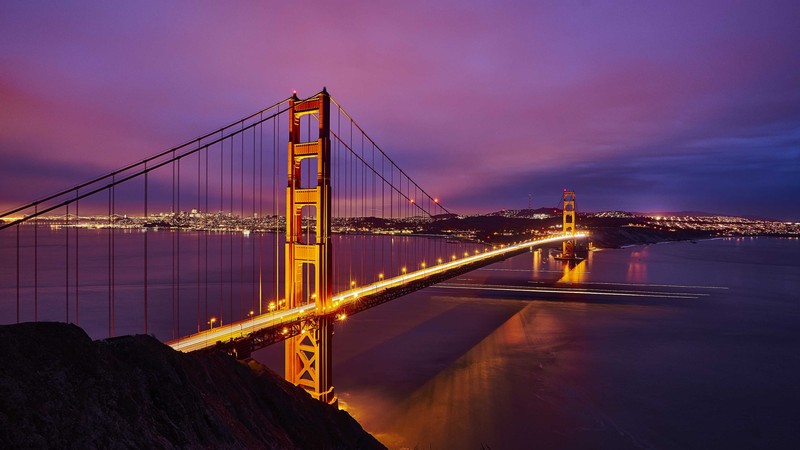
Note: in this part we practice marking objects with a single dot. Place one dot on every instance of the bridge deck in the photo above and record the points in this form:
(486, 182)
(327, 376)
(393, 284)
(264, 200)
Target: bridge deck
(276, 326)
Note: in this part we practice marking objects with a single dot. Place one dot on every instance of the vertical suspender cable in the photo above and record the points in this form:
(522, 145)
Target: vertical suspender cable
(197, 231)
(275, 142)
(77, 246)
(178, 254)
(205, 237)
(221, 237)
(66, 265)
(146, 238)
(230, 244)
(17, 227)
(263, 222)
(241, 219)
(172, 235)
(113, 258)
(253, 229)
(36, 264)
(110, 228)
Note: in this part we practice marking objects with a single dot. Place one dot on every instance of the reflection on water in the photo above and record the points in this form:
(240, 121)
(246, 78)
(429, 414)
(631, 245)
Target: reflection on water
(710, 366)
(537, 260)
(574, 271)
(669, 346)
(637, 267)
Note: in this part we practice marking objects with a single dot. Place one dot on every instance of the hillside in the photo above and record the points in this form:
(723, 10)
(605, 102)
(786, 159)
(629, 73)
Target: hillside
(60, 389)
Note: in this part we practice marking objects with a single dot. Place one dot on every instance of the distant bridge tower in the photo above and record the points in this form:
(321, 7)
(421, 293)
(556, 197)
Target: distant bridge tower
(308, 355)
(568, 250)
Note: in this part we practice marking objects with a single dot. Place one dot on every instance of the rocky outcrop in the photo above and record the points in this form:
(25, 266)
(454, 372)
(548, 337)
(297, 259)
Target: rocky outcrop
(60, 389)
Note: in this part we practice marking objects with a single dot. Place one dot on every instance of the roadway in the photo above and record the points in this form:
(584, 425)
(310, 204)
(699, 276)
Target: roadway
(281, 318)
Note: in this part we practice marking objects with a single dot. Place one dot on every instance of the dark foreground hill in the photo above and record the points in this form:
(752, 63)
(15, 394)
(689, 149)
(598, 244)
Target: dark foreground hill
(60, 389)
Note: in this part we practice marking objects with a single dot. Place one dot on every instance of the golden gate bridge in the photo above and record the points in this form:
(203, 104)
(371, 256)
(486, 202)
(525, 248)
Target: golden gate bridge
(227, 241)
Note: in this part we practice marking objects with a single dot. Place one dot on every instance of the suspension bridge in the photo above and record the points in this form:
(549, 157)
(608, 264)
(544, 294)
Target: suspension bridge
(227, 241)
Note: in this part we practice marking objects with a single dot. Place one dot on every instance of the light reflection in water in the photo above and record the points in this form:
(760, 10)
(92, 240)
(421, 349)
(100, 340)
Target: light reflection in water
(637, 267)
(623, 376)
(493, 388)
(574, 272)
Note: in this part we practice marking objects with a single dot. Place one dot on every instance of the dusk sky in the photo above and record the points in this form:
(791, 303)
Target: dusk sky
(636, 105)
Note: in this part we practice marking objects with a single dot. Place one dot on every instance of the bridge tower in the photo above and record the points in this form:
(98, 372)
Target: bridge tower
(308, 355)
(568, 249)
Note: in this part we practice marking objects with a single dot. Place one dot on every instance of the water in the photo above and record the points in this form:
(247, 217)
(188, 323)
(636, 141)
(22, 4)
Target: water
(689, 346)
(677, 345)
(100, 277)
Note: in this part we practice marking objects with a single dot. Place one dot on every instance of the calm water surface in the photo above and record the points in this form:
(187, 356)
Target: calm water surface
(676, 346)
(672, 346)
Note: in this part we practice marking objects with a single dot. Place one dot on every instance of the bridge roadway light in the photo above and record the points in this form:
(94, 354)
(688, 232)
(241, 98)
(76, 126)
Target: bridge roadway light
(211, 322)
(272, 311)
(380, 276)
(439, 260)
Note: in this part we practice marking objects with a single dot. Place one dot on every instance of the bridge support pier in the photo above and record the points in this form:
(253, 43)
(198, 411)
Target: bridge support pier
(308, 258)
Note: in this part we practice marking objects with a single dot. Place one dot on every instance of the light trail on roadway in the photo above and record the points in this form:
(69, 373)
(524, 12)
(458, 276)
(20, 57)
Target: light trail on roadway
(242, 328)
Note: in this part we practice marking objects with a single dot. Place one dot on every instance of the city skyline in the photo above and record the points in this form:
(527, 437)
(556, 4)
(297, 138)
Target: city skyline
(679, 107)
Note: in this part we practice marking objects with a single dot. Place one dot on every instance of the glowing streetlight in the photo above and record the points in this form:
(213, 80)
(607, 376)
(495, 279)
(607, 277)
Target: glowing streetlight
(423, 264)
(380, 276)
(211, 322)
(439, 260)
(272, 307)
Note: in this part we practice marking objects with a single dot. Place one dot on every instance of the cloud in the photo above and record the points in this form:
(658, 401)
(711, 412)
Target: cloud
(468, 97)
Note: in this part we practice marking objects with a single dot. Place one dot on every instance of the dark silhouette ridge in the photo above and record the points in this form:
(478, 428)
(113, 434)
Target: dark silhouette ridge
(60, 389)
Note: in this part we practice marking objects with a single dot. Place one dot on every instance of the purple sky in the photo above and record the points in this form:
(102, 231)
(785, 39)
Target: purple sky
(637, 105)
